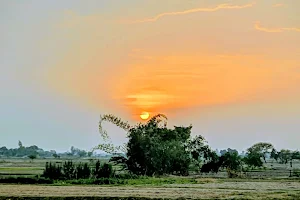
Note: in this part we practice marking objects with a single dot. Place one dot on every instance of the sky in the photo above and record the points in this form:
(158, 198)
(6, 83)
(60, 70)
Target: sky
(231, 68)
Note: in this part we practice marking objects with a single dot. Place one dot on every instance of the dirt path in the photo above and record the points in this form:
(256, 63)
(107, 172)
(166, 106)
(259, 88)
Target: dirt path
(239, 190)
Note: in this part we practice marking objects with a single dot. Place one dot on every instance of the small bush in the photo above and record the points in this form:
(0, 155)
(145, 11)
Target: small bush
(83, 171)
(71, 171)
(103, 171)
(52, 171)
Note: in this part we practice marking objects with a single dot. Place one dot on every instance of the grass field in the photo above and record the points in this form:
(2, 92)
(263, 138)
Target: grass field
(212, 190)
(27, 167)
(272, 183)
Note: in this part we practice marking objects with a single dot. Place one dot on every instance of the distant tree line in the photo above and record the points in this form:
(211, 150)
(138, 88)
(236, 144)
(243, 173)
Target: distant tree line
(34, 151)
(23, 151)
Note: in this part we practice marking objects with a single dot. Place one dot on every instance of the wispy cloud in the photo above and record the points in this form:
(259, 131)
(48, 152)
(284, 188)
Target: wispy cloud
(194, 10)
(274, 30)
(278, 5)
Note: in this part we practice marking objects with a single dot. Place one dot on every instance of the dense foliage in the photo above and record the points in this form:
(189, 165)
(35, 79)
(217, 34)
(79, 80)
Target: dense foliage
(155, 149)
(285, 155)
(261, 149)
(23, 151)
(253, 160)
(34, 152)
(71, 171)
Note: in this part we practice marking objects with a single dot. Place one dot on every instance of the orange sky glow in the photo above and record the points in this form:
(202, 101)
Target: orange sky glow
(231, 68)
(197, 56)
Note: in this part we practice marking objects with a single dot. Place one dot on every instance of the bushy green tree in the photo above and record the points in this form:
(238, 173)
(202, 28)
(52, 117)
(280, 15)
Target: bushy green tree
(53, 171)
(285, 155)
(261, 148)
(152, 149)
(155, 149)
(201, 153)
(83, 171)
(229, 150)
(233, 163)
(253, 159)
(103, 171)
(69, 170)
(32, 157)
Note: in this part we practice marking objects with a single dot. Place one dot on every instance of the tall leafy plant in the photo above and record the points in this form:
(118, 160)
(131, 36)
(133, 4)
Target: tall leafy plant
(152, 148)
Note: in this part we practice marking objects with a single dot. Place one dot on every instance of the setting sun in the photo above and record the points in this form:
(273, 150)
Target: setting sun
(144, 115)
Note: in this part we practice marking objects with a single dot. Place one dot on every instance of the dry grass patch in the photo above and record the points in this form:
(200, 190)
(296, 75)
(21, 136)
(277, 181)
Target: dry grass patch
(191, 191)
(207, 180)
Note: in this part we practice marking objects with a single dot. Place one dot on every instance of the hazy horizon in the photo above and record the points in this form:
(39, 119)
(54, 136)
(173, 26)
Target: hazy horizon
(230, 68)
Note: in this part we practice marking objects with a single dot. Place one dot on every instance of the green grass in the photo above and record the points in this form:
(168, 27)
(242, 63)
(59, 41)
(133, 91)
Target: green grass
(24, 166)
(143, 181)
(161, 181)
(4, 171)
(81, 198)
(20, 168)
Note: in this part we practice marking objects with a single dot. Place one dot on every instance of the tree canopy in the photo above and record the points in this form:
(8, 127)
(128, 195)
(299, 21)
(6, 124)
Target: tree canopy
(261, 148)
(153, 148)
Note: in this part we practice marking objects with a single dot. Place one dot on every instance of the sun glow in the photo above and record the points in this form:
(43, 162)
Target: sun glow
(144, 115)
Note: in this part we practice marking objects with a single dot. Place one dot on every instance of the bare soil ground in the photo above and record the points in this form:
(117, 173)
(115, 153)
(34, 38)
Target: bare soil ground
(212, 190)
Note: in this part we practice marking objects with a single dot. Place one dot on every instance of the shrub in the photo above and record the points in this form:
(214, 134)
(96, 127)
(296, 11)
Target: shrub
(106, 171)
(69, 170)
(253, 160)
(97, 169)
(103, 171)
(52, 171)
(83, 171)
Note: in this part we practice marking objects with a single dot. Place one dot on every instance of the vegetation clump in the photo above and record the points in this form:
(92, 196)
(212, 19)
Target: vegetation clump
(155, 149)
(71, 171)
